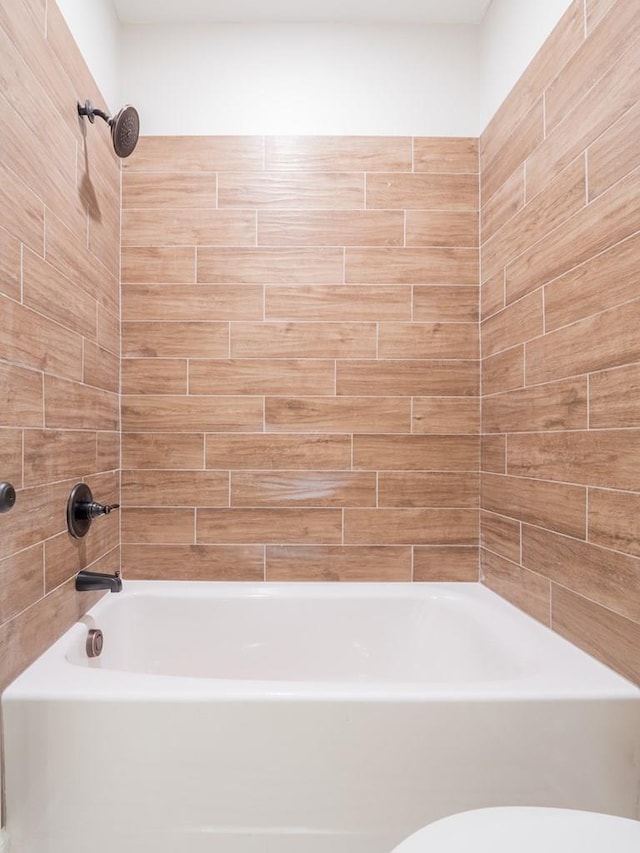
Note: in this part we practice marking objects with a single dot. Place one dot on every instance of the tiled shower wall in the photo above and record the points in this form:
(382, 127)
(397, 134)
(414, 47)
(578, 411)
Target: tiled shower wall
(560, 223)
(59, 328)
(300, 373)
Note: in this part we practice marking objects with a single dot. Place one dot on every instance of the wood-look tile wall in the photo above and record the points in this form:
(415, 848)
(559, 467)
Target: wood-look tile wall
(301, 354)
(560, 175)
(59, 328)
(300, 359)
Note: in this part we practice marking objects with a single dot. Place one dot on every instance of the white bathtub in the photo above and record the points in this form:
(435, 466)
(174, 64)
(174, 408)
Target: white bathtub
(275, 718)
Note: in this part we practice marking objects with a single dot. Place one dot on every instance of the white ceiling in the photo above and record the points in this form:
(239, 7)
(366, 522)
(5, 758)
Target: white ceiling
(254, 11)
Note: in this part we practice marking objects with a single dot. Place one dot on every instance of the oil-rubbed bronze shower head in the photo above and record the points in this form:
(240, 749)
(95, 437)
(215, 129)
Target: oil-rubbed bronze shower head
(125, 126)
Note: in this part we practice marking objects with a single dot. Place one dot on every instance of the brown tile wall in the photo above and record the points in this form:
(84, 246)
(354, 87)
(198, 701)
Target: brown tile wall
(560, 491)
(300, 358)
(59, 322)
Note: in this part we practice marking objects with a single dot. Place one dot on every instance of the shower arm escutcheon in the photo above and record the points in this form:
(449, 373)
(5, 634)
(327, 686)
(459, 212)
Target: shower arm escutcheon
(82, 509)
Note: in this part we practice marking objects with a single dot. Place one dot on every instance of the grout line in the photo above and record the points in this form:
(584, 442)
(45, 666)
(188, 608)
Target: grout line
(585, 19)
(586, 527)
(521, 540)
(22, 276)
(586, 176)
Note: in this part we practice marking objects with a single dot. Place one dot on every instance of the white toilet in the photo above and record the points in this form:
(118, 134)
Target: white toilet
(526, 830)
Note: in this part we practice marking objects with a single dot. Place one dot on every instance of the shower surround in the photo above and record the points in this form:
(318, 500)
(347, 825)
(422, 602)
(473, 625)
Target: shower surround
(560, 166)
(60, 329)
(300, 374)
(331, 430)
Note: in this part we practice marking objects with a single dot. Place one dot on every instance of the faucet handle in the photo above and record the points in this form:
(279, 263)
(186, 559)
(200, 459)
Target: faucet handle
(82, 509)
(92, 509)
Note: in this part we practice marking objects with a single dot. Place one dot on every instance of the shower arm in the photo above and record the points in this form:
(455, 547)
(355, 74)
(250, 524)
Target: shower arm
(124, 126)
(91, 112)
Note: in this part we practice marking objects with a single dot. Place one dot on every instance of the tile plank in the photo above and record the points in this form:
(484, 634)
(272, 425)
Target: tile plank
(339, 153)
(607, 636)
(193, 562)
(303, 488)
(338, 414)
(331, 228)
(411, 526)
(270, 526)
(291, 190)
(554, 506)
(338, 563)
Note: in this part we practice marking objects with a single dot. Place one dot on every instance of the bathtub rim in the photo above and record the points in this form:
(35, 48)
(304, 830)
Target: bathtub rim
(53, 678)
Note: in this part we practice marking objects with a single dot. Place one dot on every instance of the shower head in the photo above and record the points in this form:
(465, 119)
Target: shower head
(125, 126)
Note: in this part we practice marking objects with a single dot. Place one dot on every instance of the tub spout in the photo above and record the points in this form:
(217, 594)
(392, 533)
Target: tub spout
(91, 581)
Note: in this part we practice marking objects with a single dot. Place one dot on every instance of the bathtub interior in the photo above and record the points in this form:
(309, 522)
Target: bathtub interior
(260, 634)
(317, 634)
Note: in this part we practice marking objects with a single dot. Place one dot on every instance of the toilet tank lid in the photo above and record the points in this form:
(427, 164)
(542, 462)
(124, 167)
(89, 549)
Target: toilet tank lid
(527, 830)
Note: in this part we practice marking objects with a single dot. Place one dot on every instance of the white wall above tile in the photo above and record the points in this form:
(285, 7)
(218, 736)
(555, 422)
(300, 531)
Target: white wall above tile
(312, 78)
(511, 34)
(96, 29)
(289, 11)
(303, 79)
